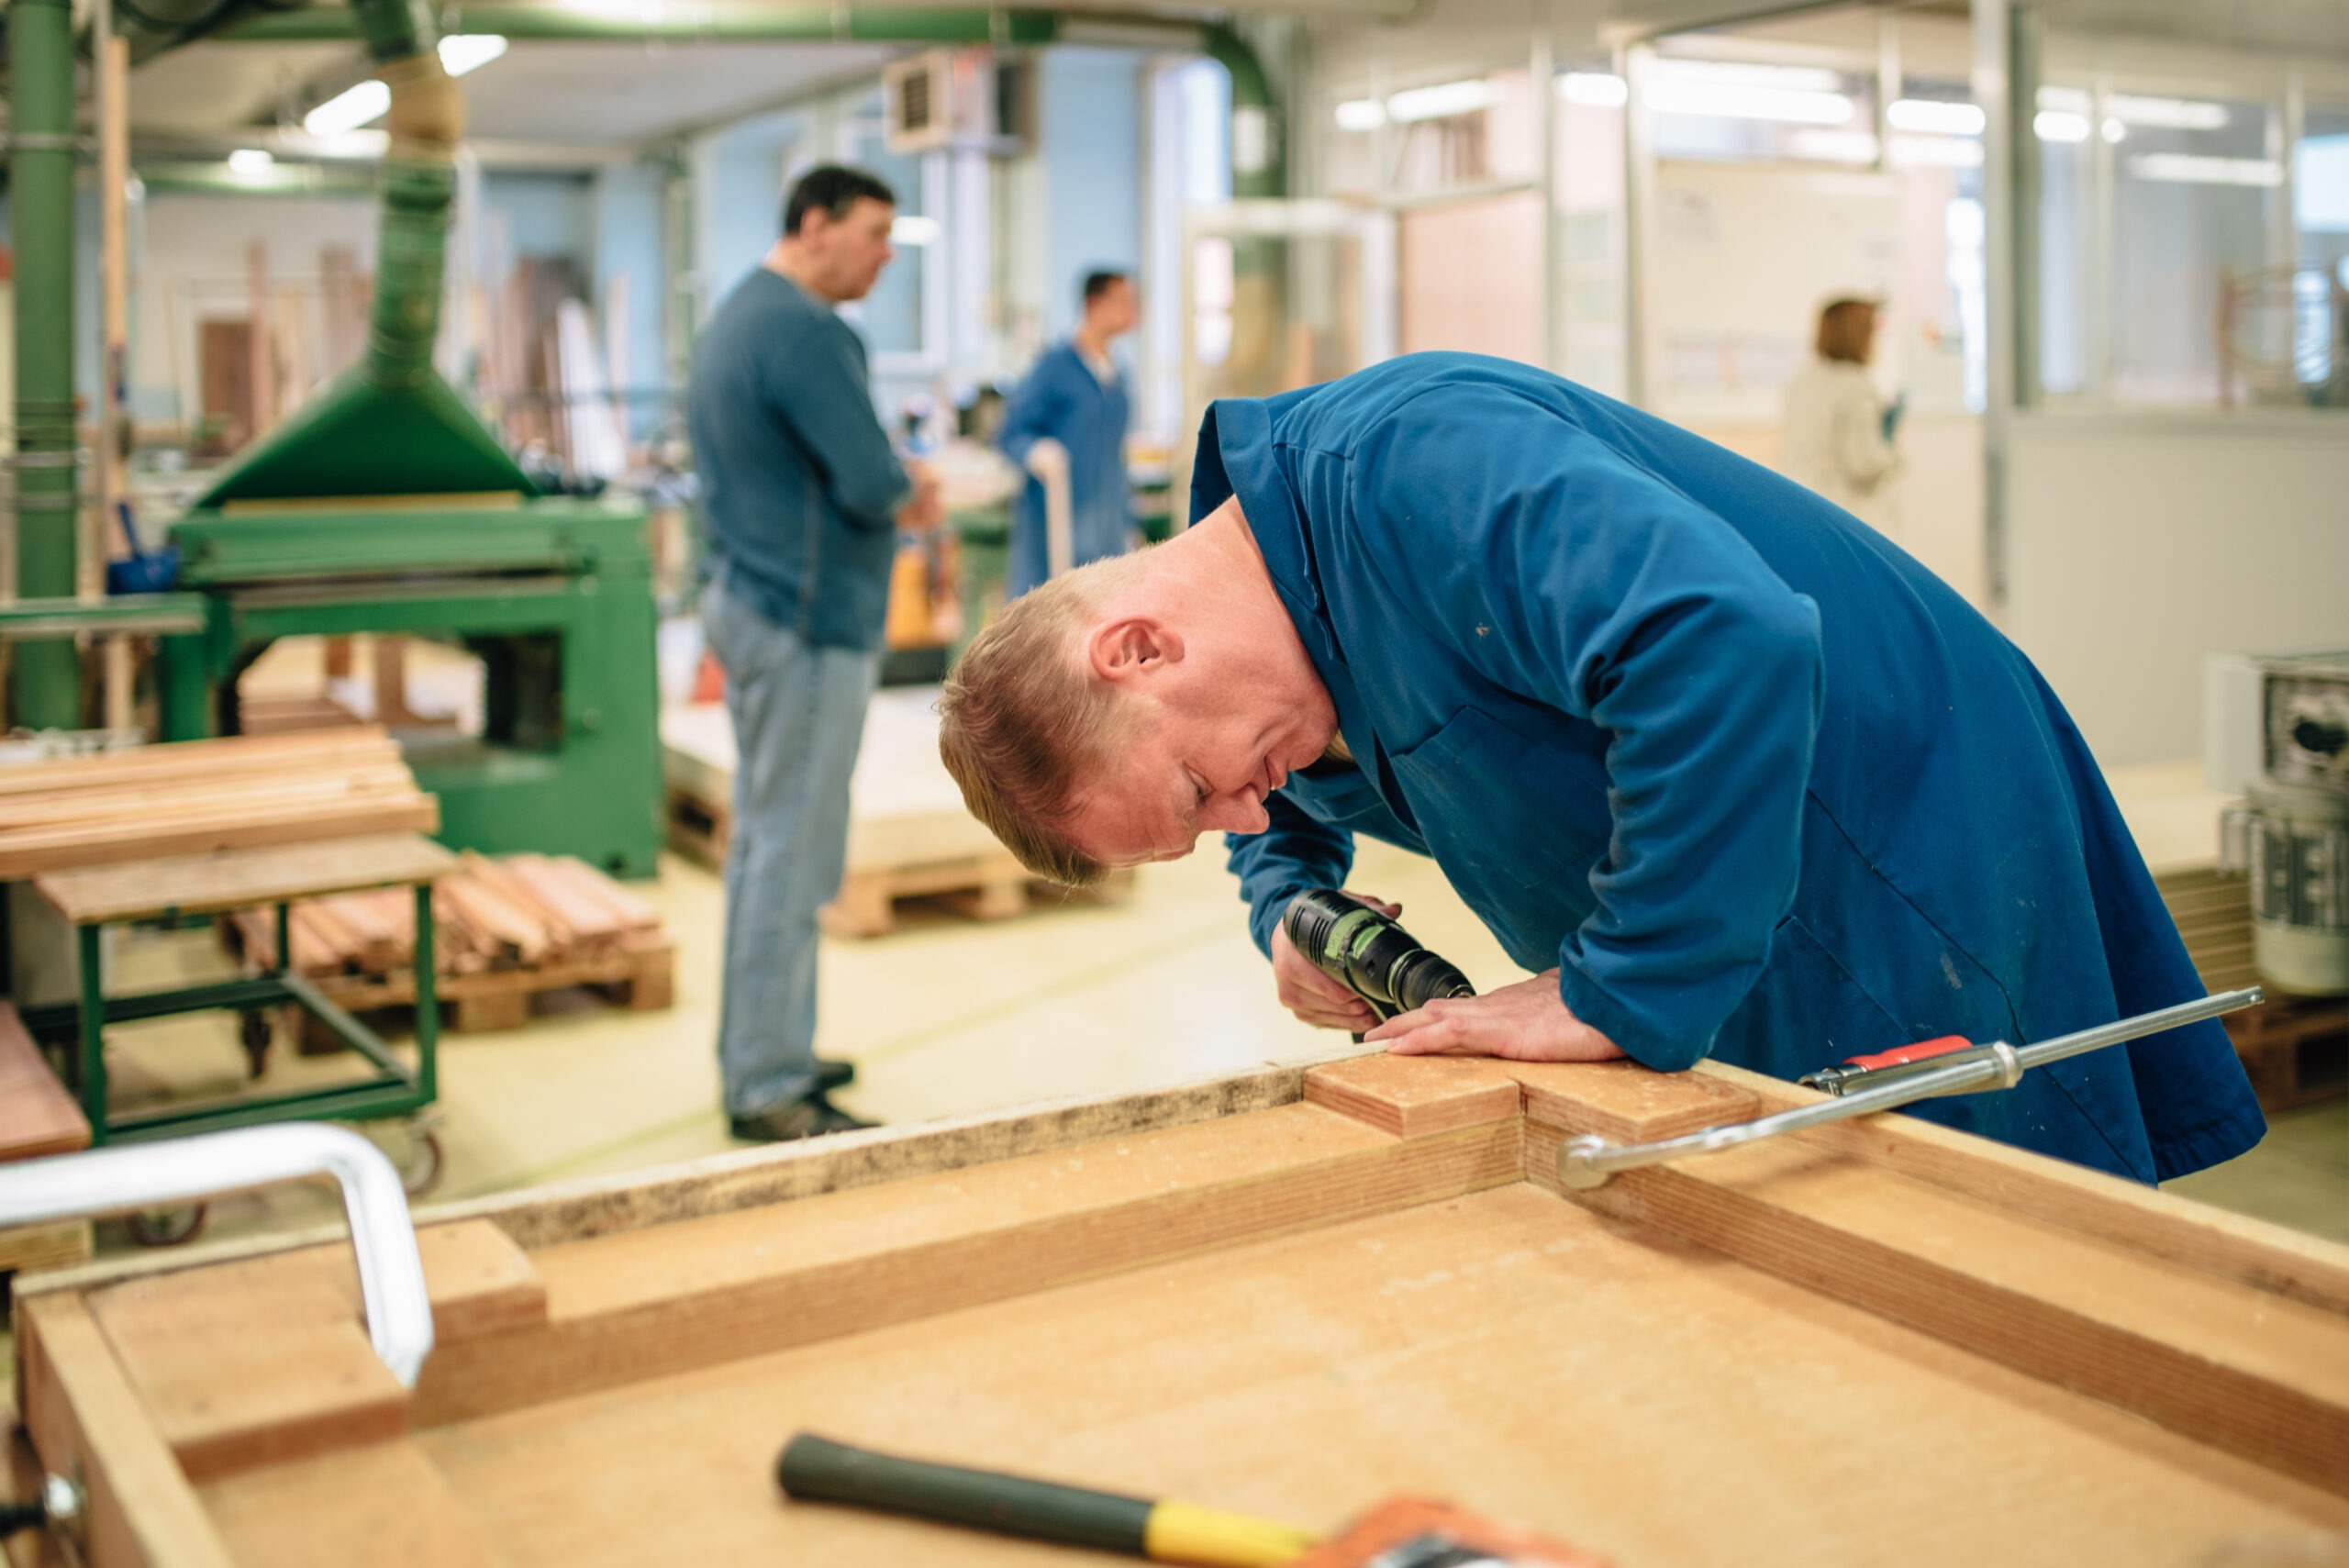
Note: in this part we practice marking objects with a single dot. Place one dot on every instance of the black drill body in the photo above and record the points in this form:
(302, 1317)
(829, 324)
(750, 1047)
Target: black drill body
(1368, 954)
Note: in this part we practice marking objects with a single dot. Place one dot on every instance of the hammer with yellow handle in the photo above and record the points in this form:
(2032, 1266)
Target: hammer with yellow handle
(814, 1469)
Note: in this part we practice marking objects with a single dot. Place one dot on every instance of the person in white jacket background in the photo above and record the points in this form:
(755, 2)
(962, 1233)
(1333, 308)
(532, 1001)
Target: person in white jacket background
(1838, 431)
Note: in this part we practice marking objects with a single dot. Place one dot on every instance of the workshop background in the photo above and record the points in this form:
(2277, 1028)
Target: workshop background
(2114, 303)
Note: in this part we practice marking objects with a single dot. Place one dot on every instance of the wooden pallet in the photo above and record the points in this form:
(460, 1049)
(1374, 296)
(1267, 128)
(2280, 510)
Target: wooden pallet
(506, 930)
(38, 1117)
(2296, 1050)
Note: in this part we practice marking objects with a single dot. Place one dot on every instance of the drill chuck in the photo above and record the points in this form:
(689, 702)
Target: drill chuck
(1370, 955)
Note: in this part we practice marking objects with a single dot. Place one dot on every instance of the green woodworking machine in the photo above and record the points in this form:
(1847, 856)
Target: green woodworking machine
(384, 505)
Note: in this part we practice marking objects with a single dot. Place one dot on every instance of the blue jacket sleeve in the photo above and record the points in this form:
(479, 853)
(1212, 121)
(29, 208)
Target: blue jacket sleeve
(1298, 852)
(1564, 572)
(1033, 412)
(819, 390)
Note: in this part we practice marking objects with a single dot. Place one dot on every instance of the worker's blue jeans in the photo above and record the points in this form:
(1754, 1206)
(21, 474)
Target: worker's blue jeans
(798, 713)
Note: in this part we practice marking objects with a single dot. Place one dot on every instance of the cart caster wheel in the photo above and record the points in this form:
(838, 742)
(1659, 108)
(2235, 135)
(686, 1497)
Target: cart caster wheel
(168, 1226)
(253, 1032)
(421, 1171)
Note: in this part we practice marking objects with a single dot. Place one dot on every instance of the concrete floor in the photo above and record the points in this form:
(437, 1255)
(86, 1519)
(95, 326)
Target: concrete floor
(944, 1018)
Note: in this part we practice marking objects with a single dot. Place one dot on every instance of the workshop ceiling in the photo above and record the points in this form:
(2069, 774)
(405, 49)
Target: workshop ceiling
(600, 96)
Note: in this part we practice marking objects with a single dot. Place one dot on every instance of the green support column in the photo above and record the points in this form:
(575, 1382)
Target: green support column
(40, 182)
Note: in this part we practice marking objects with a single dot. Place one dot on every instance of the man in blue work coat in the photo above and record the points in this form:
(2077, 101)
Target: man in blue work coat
(1731, 772)
(1067, 423)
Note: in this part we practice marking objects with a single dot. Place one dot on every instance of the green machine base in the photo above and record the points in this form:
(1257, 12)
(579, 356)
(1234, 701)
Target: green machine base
(554, 596)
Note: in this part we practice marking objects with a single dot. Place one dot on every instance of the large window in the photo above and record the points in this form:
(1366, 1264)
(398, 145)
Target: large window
(2189, 233)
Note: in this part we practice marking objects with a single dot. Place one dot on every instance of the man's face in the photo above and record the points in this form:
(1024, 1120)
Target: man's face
(1216, 734)
(849, 251)
(1115, 309)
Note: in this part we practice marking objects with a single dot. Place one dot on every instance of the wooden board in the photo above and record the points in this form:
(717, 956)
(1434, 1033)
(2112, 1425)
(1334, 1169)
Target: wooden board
(241, 878)
(1328, 1285)
(38, 1117)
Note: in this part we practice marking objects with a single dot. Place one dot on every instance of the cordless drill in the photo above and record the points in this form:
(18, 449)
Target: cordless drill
(1369, 954)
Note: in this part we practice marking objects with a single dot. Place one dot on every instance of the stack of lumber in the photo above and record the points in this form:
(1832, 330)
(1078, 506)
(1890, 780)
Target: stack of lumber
(199, 795)
(504, 930)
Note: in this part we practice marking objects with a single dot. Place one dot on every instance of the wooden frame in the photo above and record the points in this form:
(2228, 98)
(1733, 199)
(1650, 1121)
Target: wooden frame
(226, 1409)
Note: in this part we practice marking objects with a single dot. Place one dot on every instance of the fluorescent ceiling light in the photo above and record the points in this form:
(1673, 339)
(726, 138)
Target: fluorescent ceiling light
(1732, 101)
(2135, 108)
(461, 53)
(250, 162)
(1934, 117)
(350, 110)
(1937, 151)
(2175, 113)
(2114, 130)
(1597, 89)
(1833, 146)
(2188, 169)
(1361, 114)
(2060, 125)
(1443, 99)
(912, 229)
(1783, 78)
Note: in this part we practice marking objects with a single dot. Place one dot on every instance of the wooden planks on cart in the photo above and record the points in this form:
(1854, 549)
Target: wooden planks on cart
(508, 930)
(199, 795)
(38, 1117)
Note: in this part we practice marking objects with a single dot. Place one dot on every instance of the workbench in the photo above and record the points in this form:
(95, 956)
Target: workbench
(1286, 1293)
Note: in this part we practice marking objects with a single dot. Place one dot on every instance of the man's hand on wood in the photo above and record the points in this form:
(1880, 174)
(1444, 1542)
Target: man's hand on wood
(1524, 1022)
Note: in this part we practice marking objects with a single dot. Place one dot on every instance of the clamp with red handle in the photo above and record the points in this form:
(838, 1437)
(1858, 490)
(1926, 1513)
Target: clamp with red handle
(1884, 1065)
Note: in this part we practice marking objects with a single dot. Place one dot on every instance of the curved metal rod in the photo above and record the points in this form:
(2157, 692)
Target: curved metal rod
(183, 1169)
(1587, 1161)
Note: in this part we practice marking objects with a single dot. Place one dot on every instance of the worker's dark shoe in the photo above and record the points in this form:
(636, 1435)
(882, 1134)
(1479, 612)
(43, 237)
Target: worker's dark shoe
(810, 1118)
(831, 1074)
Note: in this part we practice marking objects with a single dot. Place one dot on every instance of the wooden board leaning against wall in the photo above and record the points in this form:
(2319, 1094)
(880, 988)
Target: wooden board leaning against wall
(1286, 1293)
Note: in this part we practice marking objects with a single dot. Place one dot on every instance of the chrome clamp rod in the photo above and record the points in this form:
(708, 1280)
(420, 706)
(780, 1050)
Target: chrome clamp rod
(183, 1169)
(1585, 1163)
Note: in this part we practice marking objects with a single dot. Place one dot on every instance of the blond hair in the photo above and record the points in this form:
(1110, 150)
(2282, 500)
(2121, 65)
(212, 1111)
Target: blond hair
(1022, 718)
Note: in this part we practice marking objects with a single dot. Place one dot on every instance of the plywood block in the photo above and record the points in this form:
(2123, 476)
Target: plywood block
(252, 1366)
(86, 1419)
(1411, 1096)
(2167, 1342)
(255, 1362)
(1626, 1103)
(702, 1292)
(386, 1505)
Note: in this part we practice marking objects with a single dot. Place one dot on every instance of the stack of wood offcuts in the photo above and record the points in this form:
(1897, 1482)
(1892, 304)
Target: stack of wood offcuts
(504, 931)
(199, 795)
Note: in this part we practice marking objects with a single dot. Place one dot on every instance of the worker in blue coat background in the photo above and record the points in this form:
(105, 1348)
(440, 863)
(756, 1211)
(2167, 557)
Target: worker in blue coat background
(1069, 418)
(1733, 774)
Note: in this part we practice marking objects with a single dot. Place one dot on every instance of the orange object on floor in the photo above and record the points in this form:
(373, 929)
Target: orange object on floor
(709, 681)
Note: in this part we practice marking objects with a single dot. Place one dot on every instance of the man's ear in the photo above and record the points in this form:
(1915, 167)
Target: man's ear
(1129, 648)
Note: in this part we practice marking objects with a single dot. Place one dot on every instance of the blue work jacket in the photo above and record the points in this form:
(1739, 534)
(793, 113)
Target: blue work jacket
(1756, 783)
(1063, 399)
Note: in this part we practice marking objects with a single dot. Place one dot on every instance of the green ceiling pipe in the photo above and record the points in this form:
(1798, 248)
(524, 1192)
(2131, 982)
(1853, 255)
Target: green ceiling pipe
(734, 24)
(41, 181)
(1259, 144)
(390, 425)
